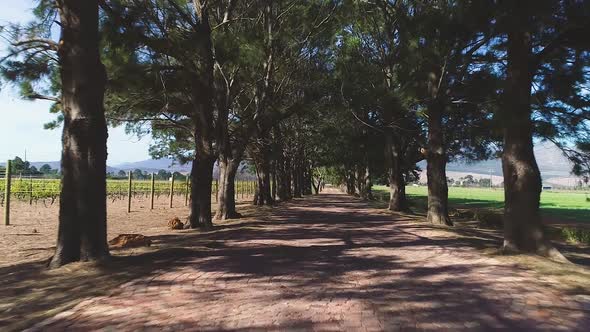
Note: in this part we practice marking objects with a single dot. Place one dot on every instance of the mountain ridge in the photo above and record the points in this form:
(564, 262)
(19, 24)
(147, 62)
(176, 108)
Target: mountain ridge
(552, 163)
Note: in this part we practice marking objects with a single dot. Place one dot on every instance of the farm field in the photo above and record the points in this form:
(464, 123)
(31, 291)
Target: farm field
(555, 205)
(48, 189)
(32, 230)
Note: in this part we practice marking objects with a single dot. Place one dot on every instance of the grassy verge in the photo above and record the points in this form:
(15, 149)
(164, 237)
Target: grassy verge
(565, 205)
(485, 205)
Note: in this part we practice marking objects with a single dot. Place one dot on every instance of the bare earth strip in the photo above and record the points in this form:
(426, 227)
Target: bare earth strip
(326, 263)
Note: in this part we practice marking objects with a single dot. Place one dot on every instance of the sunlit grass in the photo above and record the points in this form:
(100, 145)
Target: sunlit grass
(570, 205)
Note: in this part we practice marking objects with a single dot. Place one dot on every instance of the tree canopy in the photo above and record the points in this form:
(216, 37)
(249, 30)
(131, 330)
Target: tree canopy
(351, 92)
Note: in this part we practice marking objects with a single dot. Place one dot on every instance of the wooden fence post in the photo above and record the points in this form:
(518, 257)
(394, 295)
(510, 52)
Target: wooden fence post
(187, 185)
(171, 189)
(152, 191)
(31, 188)
(7, 194)
(129, 193)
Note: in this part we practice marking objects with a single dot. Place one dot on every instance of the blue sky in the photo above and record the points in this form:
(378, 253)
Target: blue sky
(21, 122)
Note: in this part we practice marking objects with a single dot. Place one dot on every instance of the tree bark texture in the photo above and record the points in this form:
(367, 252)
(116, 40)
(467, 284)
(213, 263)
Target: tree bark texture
(436, 158)
(201, 183)
(82, 230)
(202, 92)
(308, 179)
(350, 181)
(226, 194)
(363, 182)
(523, 229)
(397, 185)
(296, 171)
(262, 160)
(282, 184)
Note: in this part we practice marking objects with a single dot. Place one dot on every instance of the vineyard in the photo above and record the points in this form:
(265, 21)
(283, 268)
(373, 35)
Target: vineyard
(39, 189)
(29, 190)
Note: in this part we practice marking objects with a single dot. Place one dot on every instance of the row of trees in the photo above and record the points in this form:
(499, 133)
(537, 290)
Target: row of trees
(209, 81)
(350, 90)
(447, 80)
(23, 167)
(138, 174)
(470, 181)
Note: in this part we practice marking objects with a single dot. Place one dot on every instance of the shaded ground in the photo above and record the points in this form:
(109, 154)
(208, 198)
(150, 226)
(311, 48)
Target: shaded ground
(33, 229)
(327, 262)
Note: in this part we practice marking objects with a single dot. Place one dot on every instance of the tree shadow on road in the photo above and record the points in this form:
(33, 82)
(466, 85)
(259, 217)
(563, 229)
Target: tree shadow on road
(324, 249)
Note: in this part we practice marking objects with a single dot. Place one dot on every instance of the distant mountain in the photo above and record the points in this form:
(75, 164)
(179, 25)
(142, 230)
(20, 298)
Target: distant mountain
(154, 165)
(552, 163)
(555, 168)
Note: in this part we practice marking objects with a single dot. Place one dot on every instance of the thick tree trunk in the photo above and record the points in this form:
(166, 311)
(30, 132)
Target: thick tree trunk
(226, 195)
(523, 229)
(316, 185)
(296, 171)
(202, 92)
(360, 180)
(282, 191)
(281, 168)
(368, 185)
(397, 185)
(350, 182)
(288, 177)
(201, 183)
(82, 211)
(263, 194)
(273, 189)
(363, 182)
(308, 180)
(436, 158)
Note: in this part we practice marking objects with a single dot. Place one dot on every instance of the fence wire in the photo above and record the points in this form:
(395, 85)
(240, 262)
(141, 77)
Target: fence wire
(38, 189)
(31, 188)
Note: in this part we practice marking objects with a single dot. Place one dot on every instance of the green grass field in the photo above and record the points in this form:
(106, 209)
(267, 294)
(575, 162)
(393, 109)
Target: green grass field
(566, 205)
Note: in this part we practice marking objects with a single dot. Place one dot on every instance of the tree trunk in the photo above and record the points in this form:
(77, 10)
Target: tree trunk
(202, 92)
(273, 189)
(288, 177)
(308, 179)
(350, 182)
(360, 180)
(226, 195)
(368, 185)
(523, 229)
(363, 182)
(201, 183)
(282, 191)
(316, 185)
(297, 179)
(263, 194)
(82, 228)
(397, 185)
(436, 158)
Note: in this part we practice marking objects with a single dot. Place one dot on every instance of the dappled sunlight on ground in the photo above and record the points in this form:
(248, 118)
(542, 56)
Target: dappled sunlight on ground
(328, 262)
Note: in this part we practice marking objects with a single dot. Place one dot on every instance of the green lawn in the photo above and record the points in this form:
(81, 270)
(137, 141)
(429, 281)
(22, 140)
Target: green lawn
(571, 205)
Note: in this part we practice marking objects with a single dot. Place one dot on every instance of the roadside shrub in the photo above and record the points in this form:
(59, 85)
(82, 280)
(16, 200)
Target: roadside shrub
(576, 235)
(489, 219)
